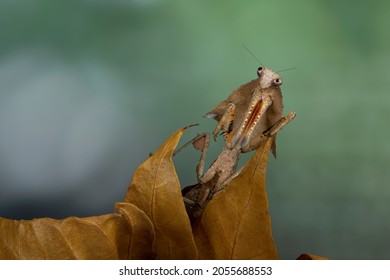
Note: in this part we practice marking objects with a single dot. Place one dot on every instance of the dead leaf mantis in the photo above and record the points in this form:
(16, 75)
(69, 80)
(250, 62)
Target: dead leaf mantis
(250, 114)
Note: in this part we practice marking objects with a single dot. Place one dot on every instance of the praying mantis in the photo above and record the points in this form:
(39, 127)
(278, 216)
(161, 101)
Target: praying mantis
(252, 113)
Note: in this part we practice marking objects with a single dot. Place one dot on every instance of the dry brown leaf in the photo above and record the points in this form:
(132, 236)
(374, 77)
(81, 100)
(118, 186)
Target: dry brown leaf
(311, 257)
(155, 189)
(71, 238)
(236, 224)
(102, 237)
(140, 246)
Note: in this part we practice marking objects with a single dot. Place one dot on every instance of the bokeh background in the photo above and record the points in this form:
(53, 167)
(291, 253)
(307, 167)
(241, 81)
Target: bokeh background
(89, 88)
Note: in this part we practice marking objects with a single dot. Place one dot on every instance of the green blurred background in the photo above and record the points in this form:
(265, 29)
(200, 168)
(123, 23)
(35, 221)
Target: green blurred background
(89, 88)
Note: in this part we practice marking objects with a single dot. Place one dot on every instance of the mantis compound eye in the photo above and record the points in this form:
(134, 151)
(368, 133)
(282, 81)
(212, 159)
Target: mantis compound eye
(259, 70)
(277, 82)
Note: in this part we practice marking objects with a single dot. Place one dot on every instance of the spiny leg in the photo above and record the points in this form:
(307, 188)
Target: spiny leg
(192, 141)
(255, 112)
(192, 193)
(201, 143)
(226, 122)
(271, 131)
(227, 181)
(278, 125)
(204, 147)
